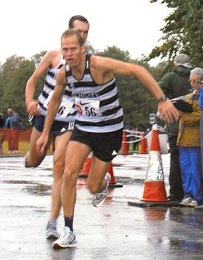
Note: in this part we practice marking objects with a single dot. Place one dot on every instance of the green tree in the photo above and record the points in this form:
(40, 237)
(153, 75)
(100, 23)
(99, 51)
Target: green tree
(182, 31)
(13, 78)
(37, 57)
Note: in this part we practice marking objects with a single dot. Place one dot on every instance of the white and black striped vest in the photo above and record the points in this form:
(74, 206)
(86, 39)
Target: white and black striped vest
(98, 106)
(66, 112)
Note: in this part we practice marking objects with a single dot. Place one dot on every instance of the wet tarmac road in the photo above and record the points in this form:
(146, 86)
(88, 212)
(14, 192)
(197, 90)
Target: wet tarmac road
(113, 231)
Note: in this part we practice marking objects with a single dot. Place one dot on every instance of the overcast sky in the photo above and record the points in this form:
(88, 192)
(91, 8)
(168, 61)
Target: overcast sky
(29, 27)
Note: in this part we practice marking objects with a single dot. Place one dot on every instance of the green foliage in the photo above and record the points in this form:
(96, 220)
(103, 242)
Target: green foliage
(182, 31)
(13, 78)
(115, 53)
(37, 57)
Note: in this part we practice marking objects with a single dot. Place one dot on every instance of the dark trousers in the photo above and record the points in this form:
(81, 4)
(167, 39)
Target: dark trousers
(175, 180)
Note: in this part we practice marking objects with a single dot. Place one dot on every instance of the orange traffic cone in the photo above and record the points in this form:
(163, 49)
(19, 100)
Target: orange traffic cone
(113, 182)
(125, 146)
(86, 168)
(154, 187)
(154, 194)
(143, 147)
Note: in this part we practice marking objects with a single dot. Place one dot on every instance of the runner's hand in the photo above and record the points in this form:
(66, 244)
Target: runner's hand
(167, 111)
(42, 143)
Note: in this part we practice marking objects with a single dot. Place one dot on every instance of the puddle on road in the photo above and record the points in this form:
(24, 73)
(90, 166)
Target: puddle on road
(33, 187)
(130, 181)
(39, 189)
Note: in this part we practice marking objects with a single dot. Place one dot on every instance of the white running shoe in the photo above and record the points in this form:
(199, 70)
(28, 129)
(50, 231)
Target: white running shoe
(100, 197)
(186, 201)
(51, 231)
(66, 239)
(193, 203)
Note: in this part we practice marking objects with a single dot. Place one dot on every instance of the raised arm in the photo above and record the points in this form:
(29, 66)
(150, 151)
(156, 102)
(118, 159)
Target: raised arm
(45, 63)
(52, 109)
(112, 67)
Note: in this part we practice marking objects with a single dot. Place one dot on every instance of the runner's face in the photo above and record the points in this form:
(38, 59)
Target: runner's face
(72, 50)
(82, 28)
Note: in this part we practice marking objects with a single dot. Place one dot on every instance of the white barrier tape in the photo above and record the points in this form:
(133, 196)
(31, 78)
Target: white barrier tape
(137, 140)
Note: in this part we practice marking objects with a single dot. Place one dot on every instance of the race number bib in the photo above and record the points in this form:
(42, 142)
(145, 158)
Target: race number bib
(64, 108)
(88, 107)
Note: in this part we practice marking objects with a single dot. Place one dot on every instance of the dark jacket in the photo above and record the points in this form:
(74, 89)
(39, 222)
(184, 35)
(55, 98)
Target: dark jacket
(175, 84)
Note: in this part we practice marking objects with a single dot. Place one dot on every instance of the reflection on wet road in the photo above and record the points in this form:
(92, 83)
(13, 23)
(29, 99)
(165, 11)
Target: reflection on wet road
(115, 230)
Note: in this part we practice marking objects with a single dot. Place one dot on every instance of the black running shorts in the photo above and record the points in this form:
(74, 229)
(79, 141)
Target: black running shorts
(58, 127)
(105, 146)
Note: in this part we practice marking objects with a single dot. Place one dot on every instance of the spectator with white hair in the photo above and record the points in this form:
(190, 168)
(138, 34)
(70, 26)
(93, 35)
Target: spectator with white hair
(190, 145)
(199, 73)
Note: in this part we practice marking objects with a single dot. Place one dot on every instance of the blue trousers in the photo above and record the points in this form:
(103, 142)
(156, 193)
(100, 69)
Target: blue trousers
(201, 133)
(191, 171)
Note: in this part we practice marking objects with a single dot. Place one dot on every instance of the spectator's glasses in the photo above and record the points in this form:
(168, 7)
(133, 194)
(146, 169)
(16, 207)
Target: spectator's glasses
(195, 81)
